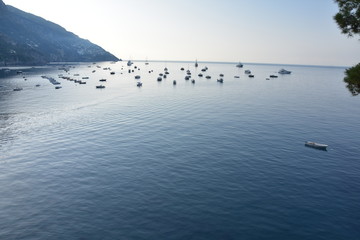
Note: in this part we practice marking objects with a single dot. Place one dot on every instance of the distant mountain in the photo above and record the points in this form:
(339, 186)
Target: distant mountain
(26, 39)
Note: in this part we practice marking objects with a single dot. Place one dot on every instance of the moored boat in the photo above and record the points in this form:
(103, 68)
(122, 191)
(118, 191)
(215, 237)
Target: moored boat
(316, 145)
(283, 71)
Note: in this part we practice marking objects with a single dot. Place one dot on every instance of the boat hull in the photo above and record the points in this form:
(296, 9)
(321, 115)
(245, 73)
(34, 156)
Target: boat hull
(316, 145)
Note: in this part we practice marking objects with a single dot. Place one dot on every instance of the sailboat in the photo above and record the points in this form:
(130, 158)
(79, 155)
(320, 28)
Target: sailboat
(239, 65)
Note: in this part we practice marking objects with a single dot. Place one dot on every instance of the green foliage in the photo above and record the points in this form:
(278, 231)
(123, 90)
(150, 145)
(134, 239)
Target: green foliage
(353, 79)
(348, 17)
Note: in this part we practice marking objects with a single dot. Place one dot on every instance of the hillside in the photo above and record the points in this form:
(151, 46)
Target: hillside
(26, 39)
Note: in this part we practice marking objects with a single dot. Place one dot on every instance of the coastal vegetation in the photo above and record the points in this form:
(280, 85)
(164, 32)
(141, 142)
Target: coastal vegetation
(348, 20)
(352, 79)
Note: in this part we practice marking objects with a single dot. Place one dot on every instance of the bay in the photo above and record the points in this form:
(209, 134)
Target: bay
(190, 161)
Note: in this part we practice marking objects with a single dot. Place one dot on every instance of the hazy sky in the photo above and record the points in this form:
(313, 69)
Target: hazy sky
(262, 31)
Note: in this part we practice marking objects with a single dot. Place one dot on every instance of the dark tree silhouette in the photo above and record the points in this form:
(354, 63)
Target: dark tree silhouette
(348, 20)
(348, 17)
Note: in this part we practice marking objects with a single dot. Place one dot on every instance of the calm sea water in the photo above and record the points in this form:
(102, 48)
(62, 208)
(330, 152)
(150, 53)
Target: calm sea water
(191, 161)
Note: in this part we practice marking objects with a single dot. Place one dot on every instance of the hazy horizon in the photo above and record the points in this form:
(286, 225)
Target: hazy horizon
(294, 33)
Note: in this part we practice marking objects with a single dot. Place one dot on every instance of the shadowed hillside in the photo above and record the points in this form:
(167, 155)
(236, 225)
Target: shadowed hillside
(27, 39)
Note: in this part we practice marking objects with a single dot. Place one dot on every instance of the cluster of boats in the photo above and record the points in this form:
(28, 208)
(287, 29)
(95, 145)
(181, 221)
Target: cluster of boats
(163, 75)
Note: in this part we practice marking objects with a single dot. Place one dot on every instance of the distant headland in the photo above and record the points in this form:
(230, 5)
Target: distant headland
(26, 39)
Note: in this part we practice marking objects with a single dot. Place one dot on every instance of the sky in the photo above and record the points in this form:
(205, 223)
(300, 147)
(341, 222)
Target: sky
(251, 31)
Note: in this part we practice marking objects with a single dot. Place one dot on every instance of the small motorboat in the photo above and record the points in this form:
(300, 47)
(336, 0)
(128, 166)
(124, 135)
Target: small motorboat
(220, 80)
(159, 79)
(18, 89)
(200, 75)
(283, 71)
(273, 76)
(239, 65)
(100, 86)
(58, 87)
(137, 77)
(193, 81)
(139, 84)
(247, 72)
(316, 145)
(174, 82)
(236, 76)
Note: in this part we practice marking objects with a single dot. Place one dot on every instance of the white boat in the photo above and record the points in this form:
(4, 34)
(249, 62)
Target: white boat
(283, 71)
(316, 145)
(239, 65)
